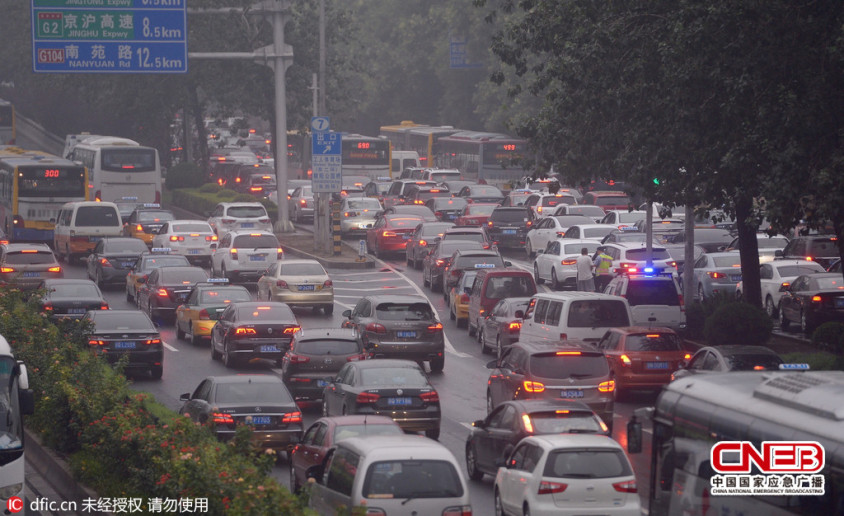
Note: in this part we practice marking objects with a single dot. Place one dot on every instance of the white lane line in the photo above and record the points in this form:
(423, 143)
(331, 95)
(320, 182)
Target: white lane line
(448, 346)
(371, 289)
(168, 346)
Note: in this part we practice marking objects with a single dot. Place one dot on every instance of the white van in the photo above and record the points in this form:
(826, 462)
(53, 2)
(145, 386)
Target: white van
(396, 474)
(583, 316)
(81, 224)
(401, 160)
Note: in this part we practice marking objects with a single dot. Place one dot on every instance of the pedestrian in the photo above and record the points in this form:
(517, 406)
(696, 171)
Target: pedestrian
(603, 266)
(585, 281)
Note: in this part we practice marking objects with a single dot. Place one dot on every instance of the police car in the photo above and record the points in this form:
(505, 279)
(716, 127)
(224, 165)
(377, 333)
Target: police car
(654, 296)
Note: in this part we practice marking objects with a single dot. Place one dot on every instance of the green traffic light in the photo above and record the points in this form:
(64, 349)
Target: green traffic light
(656, 180)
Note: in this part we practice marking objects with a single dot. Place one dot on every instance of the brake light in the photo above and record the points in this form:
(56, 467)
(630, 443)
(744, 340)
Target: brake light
(292, 417)
(376, 328)
(279, 253)
(528, 425)
(175, 238)
(244, 331)
(256, 188)
(439, 263)
(515, 326)
(438, 214)
(716, 275)
(54, 269)
(7, 269)
(464, 298)
(152, 341)
(687, 356)
(368, 397)
(423, 243)
(548, 487)
(233, 252)
(456, 510)
(104, 262)
(298, 359)
(568, 262)
(328, 284)
(535, 387)
(162, 292)
(388, 234)
(417, 201)
(489, 223)
(222, 419)
(139, 228)
(529, 223)
(356, 358)
(94, 342)
(607, 386)
(227, 221)
(430, 397)
(625, 487)
(817, 299)
(264, 221)
(434, 328)
(281, 284)
(104, 306)
(567, 353)
(303, 202)
(204, 315)
(291, 330)
(212, 238)
(48, 307)
(625, 360)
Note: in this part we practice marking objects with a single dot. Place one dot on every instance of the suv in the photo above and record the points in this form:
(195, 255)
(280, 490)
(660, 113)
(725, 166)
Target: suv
(546, 203)
(491, 286)
(245, 255)
(229, 216)
(26, 265)
(535, 370)
(822, 249)
(655, 299)
(469, 259)
(508, 227)
(398, 190)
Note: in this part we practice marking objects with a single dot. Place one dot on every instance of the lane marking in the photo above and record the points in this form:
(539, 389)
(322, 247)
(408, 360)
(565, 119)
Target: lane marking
(168, 346)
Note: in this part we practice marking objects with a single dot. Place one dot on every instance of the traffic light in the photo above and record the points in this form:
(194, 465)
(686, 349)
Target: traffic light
(656, 181)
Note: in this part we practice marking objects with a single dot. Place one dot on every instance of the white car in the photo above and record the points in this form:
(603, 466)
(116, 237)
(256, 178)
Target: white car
(231, 216)
(193, 239)
(557, 262)
(357, 214)
(623, 218)
(544, 204)
(589, 210)
(777, 275)
(567, 474)
(301, 203)
(594, 232)
(245, 255)
(633, 255)
(767, 246)
(550, 228)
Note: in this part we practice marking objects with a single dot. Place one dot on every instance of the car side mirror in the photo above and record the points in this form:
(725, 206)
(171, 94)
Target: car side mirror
(539, 251)
(778, 253)
(184, 397)
(315, 472)
(347, 314)
(519, 314)
(479, 423)
(508, 264)
(492, 364)
(52, 220)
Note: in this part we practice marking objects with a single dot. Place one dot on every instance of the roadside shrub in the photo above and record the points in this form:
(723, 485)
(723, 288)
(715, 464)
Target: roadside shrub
(210, 188)
(698, 312)
(185, 175)
(244, 197)
(829, 336)
(738, 323)
(820, 361)
(226, 195)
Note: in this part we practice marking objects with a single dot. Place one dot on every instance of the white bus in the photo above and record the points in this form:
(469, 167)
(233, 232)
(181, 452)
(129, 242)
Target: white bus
(16, 401)
(118, 168)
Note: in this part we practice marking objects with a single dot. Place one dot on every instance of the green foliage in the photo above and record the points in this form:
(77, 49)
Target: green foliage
(821, 361)
(226, 195)
(210, 188)
(244, 197)
(738, 323)
(829, 336)
(185, 175)
(698, 312)
(199, 201)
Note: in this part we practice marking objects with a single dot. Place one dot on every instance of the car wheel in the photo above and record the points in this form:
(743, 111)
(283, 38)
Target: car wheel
(194, 338)
(473, 331)
(555, 283)
(156, 372)
(149, 308)
(378, 253)
(526, 510)
(328, 309)
(436, 287)
(499, 509)
(452, 316)
(99, 279)
(784, 322)
(294, 483)
(529, 250)
(407, 259)
(228, 358)
(324, 408)
(223, 272)
(432, 433)
(215, 355)
(129, 297)
(438, 364)
(471, 463)
(490, 406)
(770, 307)
(805, 325)
(536, 278)
(700, 292)
(344, 412)
(426, 282)
(180, 335)
(620, 394)
(67, 256)
(498, 350)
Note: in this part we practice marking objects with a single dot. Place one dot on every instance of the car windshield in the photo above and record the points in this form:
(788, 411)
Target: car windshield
(562, 366)
(74, 290)
(824, 248)
(301, 269)
(558, 199)
(403, 222)
(605, 313)
(182, 276)
(504, 215)
(752, 361)
(363, 203)
(564, 421)
(395, 311)
(480, 209)
(192, 228)
(154, 216)
(587, 463)
(410, 376)
(248, 392)
(727, 261)
(327, 346)
(256, 242)
(266, 313)
(590, 211)
(653, 292)
(345, 431)
(412, 479)
(224, 296)
(128, 245)
(653, 342)
(246, 211)
(28, 257)
(597, 232)
(107, 320)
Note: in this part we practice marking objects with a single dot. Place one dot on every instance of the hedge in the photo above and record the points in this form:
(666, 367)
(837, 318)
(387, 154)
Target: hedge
(738, 323)
(203, 200)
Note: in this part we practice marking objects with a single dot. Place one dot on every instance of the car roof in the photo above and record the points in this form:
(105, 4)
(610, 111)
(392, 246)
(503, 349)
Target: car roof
(379, 363)
(633, 330)
(230, 204)
(627, 246)
(186, 221)
(182, 268)
(576, 296)
(18, 246)
(247, 378)
(357, 419)
(544, 347)
(67, 281)
(477, 252)
(397, 298)
(327, 333)
(398, 447)
(554, 441)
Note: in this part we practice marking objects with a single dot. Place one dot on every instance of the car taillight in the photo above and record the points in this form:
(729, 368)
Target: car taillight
(105, 263)
(716, 275)
(303, 202)
(244, 331)
(438, 214)
(279, 254)
(175, 238)
(435, 328)
(529, 223)
(264, 221)
(489, 223)
(204, 315)
(233, 252)
(430, 397)
(423, 243)
(368, 397)
(625, 360)
(548, 487)
(47, 307)
(817, 299)
(291, 330)
(455, 272)
(568, 262)
(356, 358)
(163, 292)
(535, 387)
(456, 510)
(607, 386)
(528, 424)
(227, 221)
(256, 188)
(139, 228)
(292, 417)
(625, 487)
(389, 234)
(464, 298)
(104, 306)
(149, 342)
(7, 269)
(54, 269)
(222, 419)
(439, 263)
(281, 284)
(95, 342)
(328, 284)
(376, 328)
(515, 326)
(211, 238)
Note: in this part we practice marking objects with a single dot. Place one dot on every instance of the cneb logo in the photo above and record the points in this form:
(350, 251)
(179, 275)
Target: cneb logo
(775, 457)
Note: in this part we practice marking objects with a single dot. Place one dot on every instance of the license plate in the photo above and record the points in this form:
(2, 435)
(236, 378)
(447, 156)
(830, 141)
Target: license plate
(484, 265)
(260, 420)
(31, 274)
(839, 302)
(182, 297)
(400, 402)
(735, 277)
(269, 348)
(256, 258)
(508, 231)
(127, 265)
(77, 310)
(124, 344)
(656, 365)
(194, 251)
(451, 216)
(321, 383)
(406, 237)
(247, 225)
(571, 393)
(94, 239)
(306, 287)
(406, 334)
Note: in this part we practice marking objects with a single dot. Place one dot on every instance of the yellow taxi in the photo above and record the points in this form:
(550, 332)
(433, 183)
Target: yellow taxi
(198, 315)
(458, 298)
(159, 257)
(145, 221)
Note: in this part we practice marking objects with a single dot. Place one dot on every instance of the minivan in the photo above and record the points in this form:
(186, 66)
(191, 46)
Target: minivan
(389, 474)
(81, 224)
(584, 316)
(491, 286)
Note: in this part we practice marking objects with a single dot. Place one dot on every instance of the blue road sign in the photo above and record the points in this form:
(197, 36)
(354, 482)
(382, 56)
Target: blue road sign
(326, 162)
(127, 36)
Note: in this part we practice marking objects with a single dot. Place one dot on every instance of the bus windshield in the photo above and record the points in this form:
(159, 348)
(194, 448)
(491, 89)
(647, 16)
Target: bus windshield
(11, 428)
(128, 159)
(51, 182)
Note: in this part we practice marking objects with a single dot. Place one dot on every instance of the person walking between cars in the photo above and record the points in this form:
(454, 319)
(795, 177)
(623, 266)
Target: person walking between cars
(603, 266)
(585, 281)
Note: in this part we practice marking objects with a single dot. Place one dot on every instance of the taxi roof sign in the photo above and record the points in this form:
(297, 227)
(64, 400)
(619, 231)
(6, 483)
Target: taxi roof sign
(161, 249)
(134, 198)
(217, 280)
(151, 204)
(794, 367)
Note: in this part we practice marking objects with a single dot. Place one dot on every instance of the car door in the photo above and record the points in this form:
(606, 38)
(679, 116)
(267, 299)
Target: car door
(335, 391)
(513, 481)
(768, 275)
(500, 435)
(198, 404)
(186, 311)
(93, 258)
(312, 450)
(790, 300)
(218, 332)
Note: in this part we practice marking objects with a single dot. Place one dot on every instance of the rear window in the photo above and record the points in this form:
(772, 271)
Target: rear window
(575, 248)
(584, 365)
(302, 269)
(591, 211)
(587, 463)
(510, 215)
(478, 262)
(404, 312)
(424, 195)
(604, 313)
(435, 229)
(328, 347)
(404, 222)
(412, 479)
(727, 261)
(192, 228)
(374, 376)
(449, 203)
(444, 176)
(653, 292)
(485, 190)
(564, 421)
(154, 216)
(346, 431)
(797, 270)
(751, 362)
(246, 211)
(78, 290)
(499, 287)
(447, 247)
(256, 242)
(829, 283)
(124, 246)
(165, 261)
(224, 296)
(97, 216)
(561, 199)
(183, 276)
(772, 243)
(106, 320)
(365, 203)
(252, 393)
(611, 200)
(653, 342)
(470, 237)
(262, 180)
(597, 232)
(823, 248)
(266, 312)
(22, 258)
(480, 209)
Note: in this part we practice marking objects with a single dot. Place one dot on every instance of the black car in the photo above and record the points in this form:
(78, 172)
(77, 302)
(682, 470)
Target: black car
(492, 439)
(727, 358)
(166, 288)
(434, 264)
(817, 248)
(248, 330)
(113, 258)
(130, 333)
(146, 263)
(315, 357)
(469, 259)
(398, 389)
(447, 209)
(811, 300)
(481, 193)
(70, 298)
(258, 400)
(423, 239)
(508, 227)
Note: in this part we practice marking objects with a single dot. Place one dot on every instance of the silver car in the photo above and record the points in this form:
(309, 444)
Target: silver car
(717, 273)
(357, 214)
